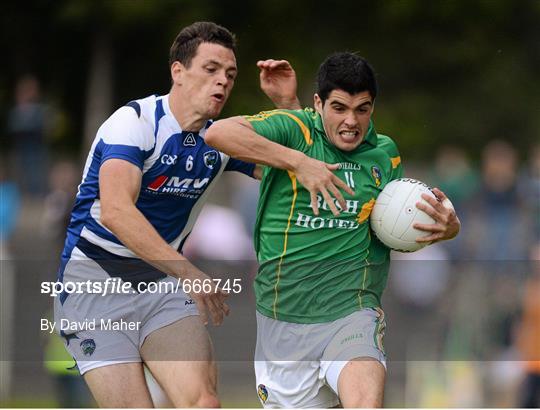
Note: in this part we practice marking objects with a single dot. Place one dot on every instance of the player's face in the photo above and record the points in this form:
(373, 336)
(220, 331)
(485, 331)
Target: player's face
(345, 117)
(209, 79)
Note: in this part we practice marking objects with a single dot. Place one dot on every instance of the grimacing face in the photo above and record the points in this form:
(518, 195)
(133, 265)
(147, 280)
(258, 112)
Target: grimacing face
(209, 79)
(345, 117)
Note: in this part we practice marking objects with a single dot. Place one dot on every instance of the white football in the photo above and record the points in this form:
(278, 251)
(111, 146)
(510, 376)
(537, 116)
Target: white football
(395, 212)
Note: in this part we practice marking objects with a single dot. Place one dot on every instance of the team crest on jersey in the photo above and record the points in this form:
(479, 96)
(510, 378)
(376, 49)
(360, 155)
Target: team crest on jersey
(262, 392)
(210, 159)
(376, 173)
(189, 140)
(88, 346)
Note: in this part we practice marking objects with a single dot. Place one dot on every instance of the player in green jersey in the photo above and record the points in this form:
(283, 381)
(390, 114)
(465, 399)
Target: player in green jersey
(322, 272)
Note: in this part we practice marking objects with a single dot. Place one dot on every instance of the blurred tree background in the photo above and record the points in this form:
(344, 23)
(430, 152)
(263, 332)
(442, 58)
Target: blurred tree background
(449, 71)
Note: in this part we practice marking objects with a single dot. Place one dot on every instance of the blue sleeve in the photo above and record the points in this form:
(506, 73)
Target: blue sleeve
(129, 153)
(240, 166)
(125, 136)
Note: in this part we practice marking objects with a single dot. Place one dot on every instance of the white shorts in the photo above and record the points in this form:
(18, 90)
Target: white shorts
(111, 329)
(298, 365)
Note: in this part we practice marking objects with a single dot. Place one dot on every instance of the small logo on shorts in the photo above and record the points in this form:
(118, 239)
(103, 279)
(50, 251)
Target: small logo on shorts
(352, 337)
(188, 302)
(88, 346)
(262, 392)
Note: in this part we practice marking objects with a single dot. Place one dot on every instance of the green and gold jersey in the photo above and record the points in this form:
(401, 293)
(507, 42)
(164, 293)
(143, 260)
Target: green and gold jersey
(320, 268)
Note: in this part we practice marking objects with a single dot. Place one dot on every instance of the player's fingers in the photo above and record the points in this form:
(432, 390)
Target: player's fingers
(333, 167)
(280, 65)
(222, 297)
(441, 196)
(223, 294)
(337, 195)
(428, 209)
(429, 238)
(267, 64)
(329, 201)
(201, 307)
(341, 184)
(226, 309)
(429, 227)
(435, 203)
(215, 309)
(222, 306)
(314, 202)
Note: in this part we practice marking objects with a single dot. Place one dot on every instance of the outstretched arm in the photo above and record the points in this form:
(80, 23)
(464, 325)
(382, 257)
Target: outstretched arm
(119, 185)
(237, 138)
(278, 81)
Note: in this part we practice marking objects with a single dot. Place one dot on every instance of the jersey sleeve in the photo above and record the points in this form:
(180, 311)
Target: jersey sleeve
(389, 146)
(240, 166)
(285, 127)
(125, 136)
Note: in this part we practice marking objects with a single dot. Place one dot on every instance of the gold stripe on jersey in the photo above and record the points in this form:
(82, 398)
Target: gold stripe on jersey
(364, 213)
(295, 192)
(395, 162)
(263, 115)
(365, 276)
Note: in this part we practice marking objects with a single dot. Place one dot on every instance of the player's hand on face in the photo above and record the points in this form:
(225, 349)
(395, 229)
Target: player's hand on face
(209, 303)
(278, 81)
(447, 224)
(318, 177)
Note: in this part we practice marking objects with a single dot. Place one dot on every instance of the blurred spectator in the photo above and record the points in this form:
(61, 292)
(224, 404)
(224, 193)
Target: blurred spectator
(28, 124)
(220, 244)
(63, 180)
(245, 200)
(421, 277)
(498, 228)
(528, 339)
(530, 188)
(418, 281)
(9, 207)
(9, 210)
(219, 235)
(454, 174)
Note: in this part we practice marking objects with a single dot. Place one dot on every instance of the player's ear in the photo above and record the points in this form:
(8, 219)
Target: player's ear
(177, 71)
(318, 104)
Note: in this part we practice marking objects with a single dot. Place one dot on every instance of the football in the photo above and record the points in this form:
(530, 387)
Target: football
(395, 212)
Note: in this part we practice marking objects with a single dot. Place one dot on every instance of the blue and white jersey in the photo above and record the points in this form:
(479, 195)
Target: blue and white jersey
(178, 172)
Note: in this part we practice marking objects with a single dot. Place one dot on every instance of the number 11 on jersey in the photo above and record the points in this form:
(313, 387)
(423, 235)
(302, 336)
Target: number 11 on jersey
(349, 179)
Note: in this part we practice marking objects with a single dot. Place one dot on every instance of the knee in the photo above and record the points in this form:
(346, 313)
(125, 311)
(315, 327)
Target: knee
(202, 400)
(208, 401)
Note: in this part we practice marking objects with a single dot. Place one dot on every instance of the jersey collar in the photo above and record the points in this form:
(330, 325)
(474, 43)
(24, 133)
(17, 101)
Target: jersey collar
(169, 113)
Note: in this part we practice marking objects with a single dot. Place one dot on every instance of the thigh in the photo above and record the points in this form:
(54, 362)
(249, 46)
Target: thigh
(361, 383)
(287, 367)
(83, 323)
(354, 363)
(180, 358)
(119, 386)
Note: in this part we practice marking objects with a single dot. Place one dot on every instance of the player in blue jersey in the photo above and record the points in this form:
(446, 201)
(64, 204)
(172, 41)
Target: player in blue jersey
(145, 180)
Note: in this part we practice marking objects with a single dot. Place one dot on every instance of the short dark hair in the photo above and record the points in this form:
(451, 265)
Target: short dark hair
(348, 72)
(185, 44)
